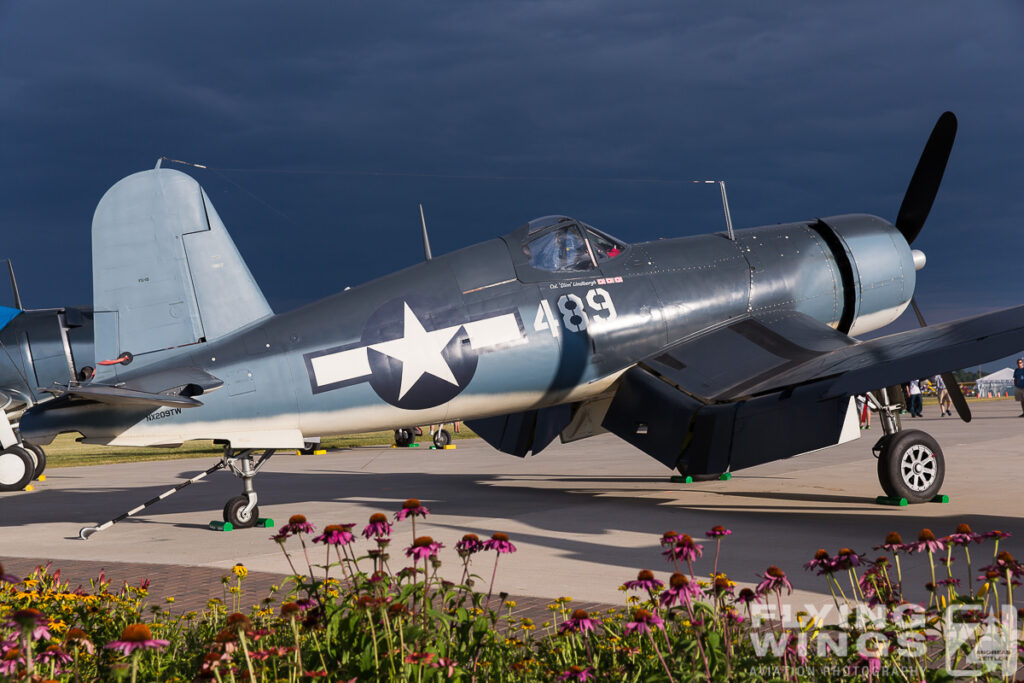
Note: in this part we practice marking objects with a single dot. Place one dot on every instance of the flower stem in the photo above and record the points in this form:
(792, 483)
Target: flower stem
(662, 659)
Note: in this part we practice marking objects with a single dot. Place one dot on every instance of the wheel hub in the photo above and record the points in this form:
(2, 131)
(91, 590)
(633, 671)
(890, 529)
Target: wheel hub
(917, 467)
(12, 468)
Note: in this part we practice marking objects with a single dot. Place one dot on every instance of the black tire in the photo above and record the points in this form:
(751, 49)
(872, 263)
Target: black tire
(233, 513)
(310, 448)
(17, 467)
(442, 438)
(405, 436)
(911, 466)
(40, 457)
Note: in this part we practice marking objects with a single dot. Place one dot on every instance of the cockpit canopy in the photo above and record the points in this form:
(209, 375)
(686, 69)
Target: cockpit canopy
(559, 244)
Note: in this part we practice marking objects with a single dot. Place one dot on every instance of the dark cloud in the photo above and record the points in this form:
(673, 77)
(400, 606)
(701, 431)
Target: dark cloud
(493, 113)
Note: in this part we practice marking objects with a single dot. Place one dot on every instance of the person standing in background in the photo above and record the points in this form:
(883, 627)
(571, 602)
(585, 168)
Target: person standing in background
(915, 403)
(945, 402)
(1018, 384)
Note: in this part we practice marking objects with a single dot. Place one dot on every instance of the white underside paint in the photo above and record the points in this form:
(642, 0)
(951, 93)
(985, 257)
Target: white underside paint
(869, 322)
(288, 430)
(851, 423)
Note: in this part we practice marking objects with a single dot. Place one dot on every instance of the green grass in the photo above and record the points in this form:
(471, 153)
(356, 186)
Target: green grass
(66, 452)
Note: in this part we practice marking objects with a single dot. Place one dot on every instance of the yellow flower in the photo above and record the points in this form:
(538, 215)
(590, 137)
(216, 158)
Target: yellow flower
(169, 599)
(564, 599)
(510, 603)
(240, 570)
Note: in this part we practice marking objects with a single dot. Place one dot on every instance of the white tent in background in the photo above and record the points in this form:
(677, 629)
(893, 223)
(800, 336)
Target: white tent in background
(998, 383)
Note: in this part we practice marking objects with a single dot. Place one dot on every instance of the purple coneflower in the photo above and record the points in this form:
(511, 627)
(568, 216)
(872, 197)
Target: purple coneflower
(499, 542)
(469, 544)
(445, 663)
(378, 526)
(8, 578)
(576, 673)
(845, 559)
(136, 637)
(893, 543)
(774, 580)
(643, 621)
(579, 622)
(422, 548)
(718, 532)
(747, 596)
(411, 507)
(297, 524)
(684, 549)
(963, 536)
(926, 542)
(668, 539)
(869, 661)
(821, 561)
(54, 654)
(31, 621)
(11, 661)
(336, 534)
(1005, 562)
(76, 637)
(644, 581)
(996, 534)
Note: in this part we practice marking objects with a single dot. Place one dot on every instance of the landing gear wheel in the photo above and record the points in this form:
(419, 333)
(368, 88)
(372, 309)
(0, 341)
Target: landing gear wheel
(442, 438)
(17, 467)
(405, 436)
(911, 466)
(40, 457)
(234, 513)
(310, 447)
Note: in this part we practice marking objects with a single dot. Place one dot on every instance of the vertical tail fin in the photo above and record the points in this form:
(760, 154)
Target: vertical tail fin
(165, 271)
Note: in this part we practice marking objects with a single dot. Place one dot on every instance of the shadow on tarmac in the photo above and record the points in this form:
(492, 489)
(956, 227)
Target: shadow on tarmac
(580, 518)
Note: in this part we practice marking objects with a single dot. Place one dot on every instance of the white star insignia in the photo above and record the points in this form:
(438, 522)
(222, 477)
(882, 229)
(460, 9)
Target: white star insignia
(419, 351)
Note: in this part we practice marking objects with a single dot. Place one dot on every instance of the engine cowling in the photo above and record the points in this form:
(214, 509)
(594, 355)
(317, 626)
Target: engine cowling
(877, 267)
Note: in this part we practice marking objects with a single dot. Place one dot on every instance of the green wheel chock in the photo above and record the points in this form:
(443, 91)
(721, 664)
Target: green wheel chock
(941, 498)
(886, 500)
(725, 476)
(222, 526)
(681, 480)
(265, 523)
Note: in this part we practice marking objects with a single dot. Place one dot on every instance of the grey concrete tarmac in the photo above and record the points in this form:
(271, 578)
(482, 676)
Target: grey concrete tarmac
(585, 516)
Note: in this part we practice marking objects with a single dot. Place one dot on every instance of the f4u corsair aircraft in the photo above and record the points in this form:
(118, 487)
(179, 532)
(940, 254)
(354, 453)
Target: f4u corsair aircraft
(711, 353)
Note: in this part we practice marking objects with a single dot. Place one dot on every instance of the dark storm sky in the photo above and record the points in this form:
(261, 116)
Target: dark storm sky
(493, 113)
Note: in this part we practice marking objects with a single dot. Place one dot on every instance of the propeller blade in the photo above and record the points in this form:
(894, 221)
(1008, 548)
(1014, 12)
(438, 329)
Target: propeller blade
(952, 386)
(959, 402)
(924, 184)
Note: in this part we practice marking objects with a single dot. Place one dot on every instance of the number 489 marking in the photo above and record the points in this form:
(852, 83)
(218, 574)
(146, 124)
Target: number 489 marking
(574, 314)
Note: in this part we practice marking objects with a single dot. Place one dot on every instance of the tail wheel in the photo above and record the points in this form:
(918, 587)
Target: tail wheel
(234, 512)
(40, 455)
(911, 466)
(442, 438)
(17, 467)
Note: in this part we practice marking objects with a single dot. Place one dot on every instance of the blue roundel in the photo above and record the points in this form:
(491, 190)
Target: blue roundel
(419, 353)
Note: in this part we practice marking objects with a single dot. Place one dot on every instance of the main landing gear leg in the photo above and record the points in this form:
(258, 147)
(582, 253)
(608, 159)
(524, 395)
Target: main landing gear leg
(910, 463)
(242, 511)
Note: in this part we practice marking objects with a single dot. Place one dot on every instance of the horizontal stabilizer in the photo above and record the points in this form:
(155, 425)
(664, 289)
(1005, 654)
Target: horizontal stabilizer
(122, 397)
